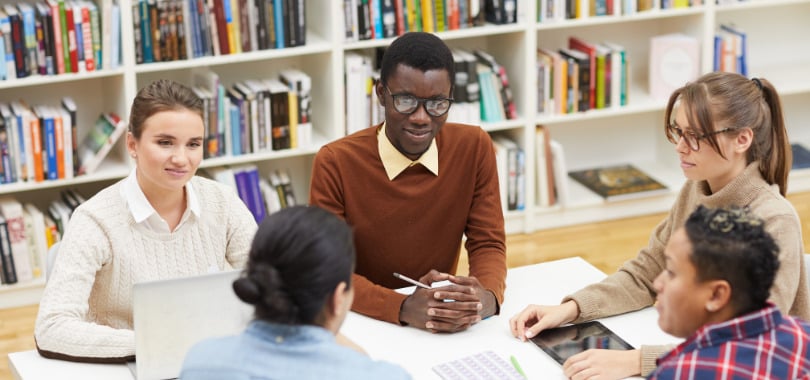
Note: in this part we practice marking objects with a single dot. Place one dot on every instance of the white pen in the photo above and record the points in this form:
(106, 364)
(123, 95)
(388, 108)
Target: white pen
(412, 281)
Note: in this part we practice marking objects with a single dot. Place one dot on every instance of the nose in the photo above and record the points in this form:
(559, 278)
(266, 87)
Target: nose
(681, 146)
(658, 283)
(420, 116)
(179, 155)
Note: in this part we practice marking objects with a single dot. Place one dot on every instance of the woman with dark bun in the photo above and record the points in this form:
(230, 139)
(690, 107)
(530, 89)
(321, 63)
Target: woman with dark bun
(298, 277)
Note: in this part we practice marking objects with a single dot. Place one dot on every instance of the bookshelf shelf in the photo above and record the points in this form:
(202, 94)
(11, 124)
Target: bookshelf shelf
(632, 133)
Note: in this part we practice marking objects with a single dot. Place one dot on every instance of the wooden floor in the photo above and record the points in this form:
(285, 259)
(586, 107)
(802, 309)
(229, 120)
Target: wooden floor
(606, 245)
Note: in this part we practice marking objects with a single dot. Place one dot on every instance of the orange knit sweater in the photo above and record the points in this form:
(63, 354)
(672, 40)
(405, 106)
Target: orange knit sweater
(414, 223)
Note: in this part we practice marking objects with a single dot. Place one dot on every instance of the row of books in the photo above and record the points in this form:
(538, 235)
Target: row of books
(26, 234)
(557, 10)
(40, 142)
(731, 50)
(53, 37)
(255, 115)
(510, 159)
(262, 195)
(170, 30)
(377, 19)
(582, 76)
(611, 182)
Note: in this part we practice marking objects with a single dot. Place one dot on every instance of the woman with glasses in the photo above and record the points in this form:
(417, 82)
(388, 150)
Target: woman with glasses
(731, 140)
(412, 187)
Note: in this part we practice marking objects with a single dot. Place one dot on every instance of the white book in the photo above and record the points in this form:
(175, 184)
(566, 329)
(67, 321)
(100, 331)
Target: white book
(540, 148)
(358, 72)
(37, 240)
(674, 61)
(270, 196)
(13, 212)
(560, 172)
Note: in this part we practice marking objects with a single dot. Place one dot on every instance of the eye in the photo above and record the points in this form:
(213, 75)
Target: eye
(164, 142)
(195, 144)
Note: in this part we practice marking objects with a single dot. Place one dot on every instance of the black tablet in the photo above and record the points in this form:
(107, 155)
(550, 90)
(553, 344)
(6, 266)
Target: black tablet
(563, 342)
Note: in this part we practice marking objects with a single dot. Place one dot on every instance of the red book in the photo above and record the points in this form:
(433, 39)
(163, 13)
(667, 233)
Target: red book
(222, 27)
(589, 49)
(72, 43)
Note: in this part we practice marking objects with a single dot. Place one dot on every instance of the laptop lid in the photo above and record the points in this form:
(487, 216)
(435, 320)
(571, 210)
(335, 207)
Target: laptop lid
(172, 315)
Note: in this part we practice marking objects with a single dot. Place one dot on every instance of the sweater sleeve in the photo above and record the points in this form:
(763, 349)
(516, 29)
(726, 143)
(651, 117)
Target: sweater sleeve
(485, 244)
(786, 231)
(326, 192)
(630, 288)
(649, 356)
(63, 329)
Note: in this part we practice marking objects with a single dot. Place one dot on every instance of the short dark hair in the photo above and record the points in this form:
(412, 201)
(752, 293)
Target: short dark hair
(731, 244)
(158, 96)
(420, 50)
(298, 256)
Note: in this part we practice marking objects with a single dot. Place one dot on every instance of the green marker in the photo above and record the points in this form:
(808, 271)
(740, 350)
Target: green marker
(517, 366)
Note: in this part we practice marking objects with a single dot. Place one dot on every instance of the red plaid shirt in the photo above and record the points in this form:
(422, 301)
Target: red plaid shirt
(759, 345)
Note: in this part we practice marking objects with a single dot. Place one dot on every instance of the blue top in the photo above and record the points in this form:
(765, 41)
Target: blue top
(269, 350)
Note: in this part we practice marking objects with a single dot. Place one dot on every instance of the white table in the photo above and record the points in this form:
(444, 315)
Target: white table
(547, 283)
(418, 351)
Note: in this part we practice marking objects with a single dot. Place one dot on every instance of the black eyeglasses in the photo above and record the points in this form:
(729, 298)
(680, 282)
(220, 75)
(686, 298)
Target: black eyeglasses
(692, 140)
(407, 104)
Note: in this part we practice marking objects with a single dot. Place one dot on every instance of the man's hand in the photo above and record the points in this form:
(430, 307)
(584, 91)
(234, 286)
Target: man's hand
(603, 364)
(450, 308)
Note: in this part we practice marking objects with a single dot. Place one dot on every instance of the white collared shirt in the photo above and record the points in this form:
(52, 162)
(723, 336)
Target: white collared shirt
(143, 212)
(395, 162)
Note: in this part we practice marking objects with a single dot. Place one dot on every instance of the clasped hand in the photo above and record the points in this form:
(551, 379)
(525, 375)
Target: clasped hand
(449, 308)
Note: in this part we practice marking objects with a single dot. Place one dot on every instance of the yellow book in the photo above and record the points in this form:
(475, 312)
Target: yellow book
(234, 40)
(427, 17)
(293, 111)
(439, 15)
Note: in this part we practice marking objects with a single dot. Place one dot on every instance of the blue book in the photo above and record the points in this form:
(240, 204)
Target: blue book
(242, 187)
(146, 34)
(801, 156)
(115, 48)
(236, 130)
(278, 12)
(255, 193)
(29, 34)
(49, 129)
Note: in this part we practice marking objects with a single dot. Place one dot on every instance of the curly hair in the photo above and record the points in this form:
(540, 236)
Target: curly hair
(422, 51)
(731, 244)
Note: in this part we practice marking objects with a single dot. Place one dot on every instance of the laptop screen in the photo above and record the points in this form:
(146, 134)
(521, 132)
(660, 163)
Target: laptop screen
(172, 315)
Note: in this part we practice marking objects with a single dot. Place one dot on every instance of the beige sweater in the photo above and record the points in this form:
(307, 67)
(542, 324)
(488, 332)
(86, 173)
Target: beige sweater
(631, 287)
(86, 310)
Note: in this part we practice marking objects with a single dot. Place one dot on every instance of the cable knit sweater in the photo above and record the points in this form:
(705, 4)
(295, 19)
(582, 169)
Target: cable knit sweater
(631, 287)
(86, 310)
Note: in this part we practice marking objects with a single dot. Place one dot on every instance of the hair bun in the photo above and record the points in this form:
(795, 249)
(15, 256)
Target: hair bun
(247, 290)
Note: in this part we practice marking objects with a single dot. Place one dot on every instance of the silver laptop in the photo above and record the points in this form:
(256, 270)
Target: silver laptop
(170, 316)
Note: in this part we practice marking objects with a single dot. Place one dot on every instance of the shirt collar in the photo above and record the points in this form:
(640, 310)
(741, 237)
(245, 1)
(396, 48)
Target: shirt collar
(395, 162)
(142, 210)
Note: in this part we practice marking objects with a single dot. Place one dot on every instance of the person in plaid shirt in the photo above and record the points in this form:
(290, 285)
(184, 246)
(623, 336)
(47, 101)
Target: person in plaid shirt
(714, 291)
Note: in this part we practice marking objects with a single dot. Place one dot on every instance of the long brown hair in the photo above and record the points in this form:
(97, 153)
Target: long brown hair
(737, 102)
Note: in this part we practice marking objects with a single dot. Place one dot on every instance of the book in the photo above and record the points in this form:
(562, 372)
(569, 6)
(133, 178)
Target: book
(8, 275)
(618, 182)
(99, 141)
(12, 211)
(801, 156)
(674, 61)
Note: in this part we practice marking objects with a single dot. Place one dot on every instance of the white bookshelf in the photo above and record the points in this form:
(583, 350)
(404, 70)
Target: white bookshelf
(777, 50)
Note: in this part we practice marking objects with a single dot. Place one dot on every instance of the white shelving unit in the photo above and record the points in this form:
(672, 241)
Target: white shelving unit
(778, 35)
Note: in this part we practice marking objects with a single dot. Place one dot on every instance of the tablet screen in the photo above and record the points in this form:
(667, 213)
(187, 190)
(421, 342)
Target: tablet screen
(563, 342)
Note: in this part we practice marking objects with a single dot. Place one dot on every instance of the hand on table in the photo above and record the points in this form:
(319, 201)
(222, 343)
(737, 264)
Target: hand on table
(603, 364)
(536, 318)
(449, 308)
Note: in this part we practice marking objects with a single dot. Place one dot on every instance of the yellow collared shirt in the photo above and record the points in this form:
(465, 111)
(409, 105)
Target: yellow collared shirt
(395, 162)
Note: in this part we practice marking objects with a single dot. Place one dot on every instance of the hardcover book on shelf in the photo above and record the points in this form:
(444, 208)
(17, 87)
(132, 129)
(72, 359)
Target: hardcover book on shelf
(619, 182)
(8, 275)
(801, 156)
(674, 61)
(12, 211)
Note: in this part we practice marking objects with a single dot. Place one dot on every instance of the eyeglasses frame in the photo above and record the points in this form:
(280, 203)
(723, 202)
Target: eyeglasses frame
(419, 102)
(681, 135)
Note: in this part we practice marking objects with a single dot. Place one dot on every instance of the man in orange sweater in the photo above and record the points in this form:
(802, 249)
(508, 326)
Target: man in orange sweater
(411, 188)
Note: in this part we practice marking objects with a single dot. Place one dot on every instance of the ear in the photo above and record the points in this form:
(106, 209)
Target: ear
(338, 299)
(380, 90)
(744, 140)
(720, 295)
(131, 144)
